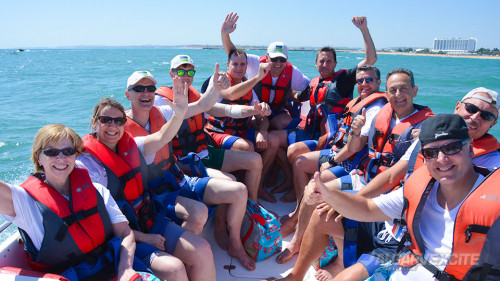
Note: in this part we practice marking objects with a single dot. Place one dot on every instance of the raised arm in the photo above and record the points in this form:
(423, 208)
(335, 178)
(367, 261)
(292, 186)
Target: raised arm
(228, 26)
(154, 142)
(237, 91)
(6, 204)
(127, 250)
(208, 99)
(370, 51)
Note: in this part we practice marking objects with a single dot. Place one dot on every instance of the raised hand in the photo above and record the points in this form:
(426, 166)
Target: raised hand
(264, 69)
(180, 103)
(358, 123)
(360, 22)
(221, 80)
(229, 24)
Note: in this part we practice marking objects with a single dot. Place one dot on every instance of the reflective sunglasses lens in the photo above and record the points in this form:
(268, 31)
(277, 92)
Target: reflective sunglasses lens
(180, 72)
(452, 148)
(368, 80)
(191, 73)
(486, 115)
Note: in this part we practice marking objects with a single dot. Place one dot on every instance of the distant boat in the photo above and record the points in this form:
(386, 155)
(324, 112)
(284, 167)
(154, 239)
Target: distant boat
(18, 51)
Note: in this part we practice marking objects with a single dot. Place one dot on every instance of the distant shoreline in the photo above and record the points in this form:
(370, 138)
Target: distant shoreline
(429, 55)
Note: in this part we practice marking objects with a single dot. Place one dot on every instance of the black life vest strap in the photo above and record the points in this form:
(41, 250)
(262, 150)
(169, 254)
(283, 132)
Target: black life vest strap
(438, 274)
(71, 219)
(131, 174)
(271, 87)
(475, 228)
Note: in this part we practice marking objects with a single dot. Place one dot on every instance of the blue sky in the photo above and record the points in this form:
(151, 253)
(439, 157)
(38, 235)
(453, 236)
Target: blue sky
(404, 23)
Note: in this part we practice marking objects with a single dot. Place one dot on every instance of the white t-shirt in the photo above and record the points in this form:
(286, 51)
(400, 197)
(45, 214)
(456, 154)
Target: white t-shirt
(436, 229)
(371, 111)
(29, 218)
(299, 80)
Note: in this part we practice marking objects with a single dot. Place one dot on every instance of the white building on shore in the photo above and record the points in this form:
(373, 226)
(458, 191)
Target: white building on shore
(455, 45)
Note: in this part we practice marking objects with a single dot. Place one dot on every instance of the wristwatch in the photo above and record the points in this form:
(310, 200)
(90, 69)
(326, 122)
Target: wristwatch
(332, 162)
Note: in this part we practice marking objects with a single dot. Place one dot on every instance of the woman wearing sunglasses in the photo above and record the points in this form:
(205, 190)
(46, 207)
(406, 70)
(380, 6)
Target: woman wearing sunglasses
(68, 223)
(116, 159)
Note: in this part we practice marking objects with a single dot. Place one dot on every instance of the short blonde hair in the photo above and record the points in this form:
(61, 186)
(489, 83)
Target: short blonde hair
(52, 134)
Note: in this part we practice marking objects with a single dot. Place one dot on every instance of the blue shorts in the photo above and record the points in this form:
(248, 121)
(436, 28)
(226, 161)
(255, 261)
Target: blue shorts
(338, 171)
(229, 141)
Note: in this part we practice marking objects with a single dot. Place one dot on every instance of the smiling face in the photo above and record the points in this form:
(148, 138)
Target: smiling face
(276, 67)
(400, 94)
(476, 124)
(450, 170)
(108, 134)
(57, 168)
(141, 100)
(365, 89)
(237, 67)
(325, 63)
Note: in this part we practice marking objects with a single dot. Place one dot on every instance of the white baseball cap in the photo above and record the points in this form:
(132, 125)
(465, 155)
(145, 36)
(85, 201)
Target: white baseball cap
(493, 95)
(277, 49)
(138, 75)
(180, 60)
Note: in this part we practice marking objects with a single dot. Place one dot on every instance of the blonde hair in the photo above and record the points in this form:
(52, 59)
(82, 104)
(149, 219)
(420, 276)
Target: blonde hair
(52, 134)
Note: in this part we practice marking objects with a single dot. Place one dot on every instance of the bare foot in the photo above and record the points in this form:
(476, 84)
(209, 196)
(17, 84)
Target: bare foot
(284, 186)
(242, 256)
(266, 196)
(289, 197)
(221, 237)
(288, 224)
(323, 275)
(291, 249)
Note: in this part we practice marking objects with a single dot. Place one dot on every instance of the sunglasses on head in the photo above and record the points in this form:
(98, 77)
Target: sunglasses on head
(119, 121)
(182, 72)
(472, 109)
(140, 89)
(368, 80)
(451, 148)
(281, 59)
(68, 151)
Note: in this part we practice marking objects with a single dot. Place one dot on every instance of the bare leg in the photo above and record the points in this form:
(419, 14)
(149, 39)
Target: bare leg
(243, 145)
(287, 170)
(193, 213)
(197, 255)
(295, 150)
(168, 267)
(220, 174)
(234, 194)
(280, 121)
(268, 156)
(220, 231)
(251, 163)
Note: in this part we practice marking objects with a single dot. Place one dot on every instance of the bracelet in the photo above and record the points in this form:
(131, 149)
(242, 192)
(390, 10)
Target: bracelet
(350, 133)
(332, 162)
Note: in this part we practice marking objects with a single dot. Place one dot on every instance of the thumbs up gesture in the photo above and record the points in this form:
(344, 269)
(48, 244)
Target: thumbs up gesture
(358, 123)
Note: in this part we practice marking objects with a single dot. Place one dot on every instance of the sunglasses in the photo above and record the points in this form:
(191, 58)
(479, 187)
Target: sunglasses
(119, 121)
(140, 89)
(486, 115)
(281, 59)
(182, 72)
(451, 148)
(55, 152)
(368, 80)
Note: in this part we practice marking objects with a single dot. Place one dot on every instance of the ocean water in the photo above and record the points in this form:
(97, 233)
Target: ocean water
(41, 87)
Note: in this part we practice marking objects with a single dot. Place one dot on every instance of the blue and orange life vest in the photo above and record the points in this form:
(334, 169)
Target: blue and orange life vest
(325, 91)
(191, 136)
(282, 89)
(75, 230)
(471, 224)
(386, 146)
(127, 177)
(228, 125)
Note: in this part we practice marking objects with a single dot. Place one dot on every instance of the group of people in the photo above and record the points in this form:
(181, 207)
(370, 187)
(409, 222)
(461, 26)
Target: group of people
(135, 193)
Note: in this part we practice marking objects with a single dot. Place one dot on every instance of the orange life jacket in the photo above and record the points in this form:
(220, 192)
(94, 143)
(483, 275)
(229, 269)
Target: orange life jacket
(73, 229)
(353, 109)
(127, 177)
(282, 89)
(191, 137)
(471, 223)
(385, 146)
(325, 91)
(228, 125)
(163, 158)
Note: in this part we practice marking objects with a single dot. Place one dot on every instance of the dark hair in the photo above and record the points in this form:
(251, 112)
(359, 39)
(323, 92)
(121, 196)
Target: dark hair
(404, 71)
(367, 67)
(237, 52)
(326, 50)
(107, 102)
